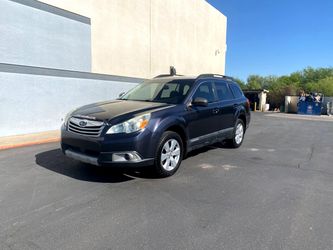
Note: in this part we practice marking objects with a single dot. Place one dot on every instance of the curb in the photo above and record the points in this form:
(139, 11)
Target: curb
(31, 143)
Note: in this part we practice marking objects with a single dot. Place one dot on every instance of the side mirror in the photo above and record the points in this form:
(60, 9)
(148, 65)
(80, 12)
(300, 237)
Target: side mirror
(121, 94)
(199, 101)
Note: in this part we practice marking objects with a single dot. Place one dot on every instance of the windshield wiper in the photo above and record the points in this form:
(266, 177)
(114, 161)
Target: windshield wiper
(135, 100)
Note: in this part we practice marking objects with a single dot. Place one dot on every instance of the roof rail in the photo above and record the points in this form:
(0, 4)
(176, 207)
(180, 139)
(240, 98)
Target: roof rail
(216, 75)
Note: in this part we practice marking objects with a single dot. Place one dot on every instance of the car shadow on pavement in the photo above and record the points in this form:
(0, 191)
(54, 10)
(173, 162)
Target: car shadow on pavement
(55, 161)
(205, 149)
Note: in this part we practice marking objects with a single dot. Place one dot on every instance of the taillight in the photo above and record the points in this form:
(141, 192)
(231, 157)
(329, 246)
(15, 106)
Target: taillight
(247, 103)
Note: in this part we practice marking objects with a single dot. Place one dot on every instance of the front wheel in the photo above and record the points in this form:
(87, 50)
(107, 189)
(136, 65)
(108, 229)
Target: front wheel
(169, 154)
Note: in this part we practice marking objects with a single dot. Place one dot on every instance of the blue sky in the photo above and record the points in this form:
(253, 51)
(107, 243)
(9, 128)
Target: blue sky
(276, 37)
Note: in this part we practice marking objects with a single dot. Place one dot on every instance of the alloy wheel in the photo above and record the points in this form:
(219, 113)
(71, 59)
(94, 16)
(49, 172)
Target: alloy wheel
(170, 155)
(239, 134)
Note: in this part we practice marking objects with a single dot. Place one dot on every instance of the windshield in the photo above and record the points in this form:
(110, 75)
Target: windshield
(166, 91)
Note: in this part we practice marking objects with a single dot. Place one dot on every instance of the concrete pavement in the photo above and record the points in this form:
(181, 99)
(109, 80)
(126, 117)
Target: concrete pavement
(275, 192)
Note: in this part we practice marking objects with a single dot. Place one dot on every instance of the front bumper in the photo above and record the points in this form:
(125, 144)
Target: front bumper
(100, 151)
(98, 162)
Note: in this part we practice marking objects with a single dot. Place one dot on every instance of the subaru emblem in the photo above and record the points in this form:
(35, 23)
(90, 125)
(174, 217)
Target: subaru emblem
(83, 123)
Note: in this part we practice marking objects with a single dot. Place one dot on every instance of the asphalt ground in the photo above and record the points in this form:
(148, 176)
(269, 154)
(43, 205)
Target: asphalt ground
(275, 192)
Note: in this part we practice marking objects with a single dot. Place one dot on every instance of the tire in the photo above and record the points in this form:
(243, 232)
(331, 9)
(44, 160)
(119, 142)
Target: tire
(237, 134)
(169, 154)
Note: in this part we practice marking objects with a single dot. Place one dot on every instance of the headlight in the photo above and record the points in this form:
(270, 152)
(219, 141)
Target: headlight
(130, 126)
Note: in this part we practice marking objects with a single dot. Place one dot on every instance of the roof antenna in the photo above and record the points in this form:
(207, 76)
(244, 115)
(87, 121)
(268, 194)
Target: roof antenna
(173, 71)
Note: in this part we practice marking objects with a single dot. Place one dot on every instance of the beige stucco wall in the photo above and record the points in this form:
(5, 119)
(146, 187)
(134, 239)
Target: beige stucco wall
(142, 38)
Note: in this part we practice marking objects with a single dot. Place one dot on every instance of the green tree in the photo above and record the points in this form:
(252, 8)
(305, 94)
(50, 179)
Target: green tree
(255, 82)
(324, 86)
(268, 81)
(314, 75)
(309, 79)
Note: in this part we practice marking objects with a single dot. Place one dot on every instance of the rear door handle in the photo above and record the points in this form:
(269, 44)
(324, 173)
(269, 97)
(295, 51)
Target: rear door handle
(216, 110)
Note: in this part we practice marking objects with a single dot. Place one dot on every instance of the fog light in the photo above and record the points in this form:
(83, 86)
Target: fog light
(126, 156)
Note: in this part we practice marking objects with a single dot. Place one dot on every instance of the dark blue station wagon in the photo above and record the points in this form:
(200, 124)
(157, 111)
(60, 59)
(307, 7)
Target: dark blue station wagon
(158, 122)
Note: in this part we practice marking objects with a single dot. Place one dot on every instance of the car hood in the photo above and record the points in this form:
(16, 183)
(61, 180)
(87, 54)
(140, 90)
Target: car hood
(105, 111)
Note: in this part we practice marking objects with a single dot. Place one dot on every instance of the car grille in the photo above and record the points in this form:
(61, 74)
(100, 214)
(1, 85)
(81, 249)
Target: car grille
(85, 127)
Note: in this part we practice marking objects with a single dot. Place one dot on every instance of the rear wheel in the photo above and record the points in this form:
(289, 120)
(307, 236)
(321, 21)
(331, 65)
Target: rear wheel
(169, 154)
(238, 134)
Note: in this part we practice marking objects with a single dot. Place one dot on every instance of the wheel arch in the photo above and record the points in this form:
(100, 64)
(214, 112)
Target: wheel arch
(181, 132)
(242, 117)
(171, 123)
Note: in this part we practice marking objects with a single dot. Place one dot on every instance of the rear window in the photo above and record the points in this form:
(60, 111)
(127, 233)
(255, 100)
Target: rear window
(236, 91)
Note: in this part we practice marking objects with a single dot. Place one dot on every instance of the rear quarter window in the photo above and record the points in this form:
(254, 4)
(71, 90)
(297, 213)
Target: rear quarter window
(238, 93)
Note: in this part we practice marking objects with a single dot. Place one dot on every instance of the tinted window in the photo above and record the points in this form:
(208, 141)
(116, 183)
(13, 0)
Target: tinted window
(205, 90)
(223, 91)
(236, 91)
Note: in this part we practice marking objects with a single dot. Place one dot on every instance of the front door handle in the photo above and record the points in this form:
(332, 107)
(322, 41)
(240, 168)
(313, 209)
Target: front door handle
(216, 110)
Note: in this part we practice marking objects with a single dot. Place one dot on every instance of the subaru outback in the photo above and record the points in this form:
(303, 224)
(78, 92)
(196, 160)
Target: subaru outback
(158, 122)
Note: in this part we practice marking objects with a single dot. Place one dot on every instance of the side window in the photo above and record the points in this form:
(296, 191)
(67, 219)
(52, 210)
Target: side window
(186, 89)
(205, 90)
(223, 91)
(236, 91)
